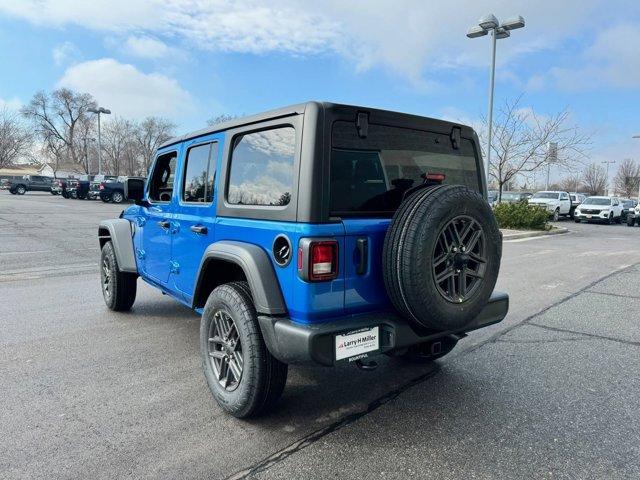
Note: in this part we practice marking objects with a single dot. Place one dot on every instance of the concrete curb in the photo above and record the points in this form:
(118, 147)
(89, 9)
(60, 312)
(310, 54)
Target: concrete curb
(535, 233)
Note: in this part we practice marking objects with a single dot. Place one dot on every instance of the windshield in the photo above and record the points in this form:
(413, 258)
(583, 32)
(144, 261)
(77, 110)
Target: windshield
(372, 174)
(511, 196)
(547, 195)
(597, 201)
(627, 203)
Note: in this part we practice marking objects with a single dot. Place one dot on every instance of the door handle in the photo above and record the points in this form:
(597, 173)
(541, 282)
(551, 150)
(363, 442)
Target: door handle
(164, 224)
(363, 252)
(199, 229)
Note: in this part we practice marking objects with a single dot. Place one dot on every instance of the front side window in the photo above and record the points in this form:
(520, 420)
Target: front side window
(200, 169)
(262, 168)
(372, 174)
(161, 180)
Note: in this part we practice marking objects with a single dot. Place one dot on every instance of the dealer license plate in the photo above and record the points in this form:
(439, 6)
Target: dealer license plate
(355, 344)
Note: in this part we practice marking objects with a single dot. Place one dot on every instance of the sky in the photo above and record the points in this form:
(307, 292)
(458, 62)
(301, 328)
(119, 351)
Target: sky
(191, 60)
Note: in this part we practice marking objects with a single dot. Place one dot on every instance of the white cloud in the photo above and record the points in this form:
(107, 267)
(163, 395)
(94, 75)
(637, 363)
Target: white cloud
(413, 38)
(612, 60)
(64, 53)
(10, 104)
(146, 47)
(128, 91)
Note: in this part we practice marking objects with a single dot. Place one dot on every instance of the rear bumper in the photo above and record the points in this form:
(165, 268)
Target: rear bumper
(294, 343)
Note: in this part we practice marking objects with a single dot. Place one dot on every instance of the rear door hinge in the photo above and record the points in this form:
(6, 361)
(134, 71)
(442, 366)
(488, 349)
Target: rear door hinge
(140, 254)
(455, 137)
(174, 267)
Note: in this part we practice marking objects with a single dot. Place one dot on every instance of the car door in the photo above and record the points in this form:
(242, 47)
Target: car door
(616, 207)
(195, 210)
(156, 219)
(565, 203)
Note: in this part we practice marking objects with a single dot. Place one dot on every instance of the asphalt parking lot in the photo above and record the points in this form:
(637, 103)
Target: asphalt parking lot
(551, 392)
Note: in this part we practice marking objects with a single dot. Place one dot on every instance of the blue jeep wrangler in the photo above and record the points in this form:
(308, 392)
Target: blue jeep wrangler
(317, 233)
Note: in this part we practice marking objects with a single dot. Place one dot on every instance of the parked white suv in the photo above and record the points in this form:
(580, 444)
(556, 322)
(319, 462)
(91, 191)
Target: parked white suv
(556, 203)
(599, 209)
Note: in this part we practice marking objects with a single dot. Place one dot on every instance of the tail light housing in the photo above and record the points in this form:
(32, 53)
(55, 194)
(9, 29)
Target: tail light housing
(318, 259)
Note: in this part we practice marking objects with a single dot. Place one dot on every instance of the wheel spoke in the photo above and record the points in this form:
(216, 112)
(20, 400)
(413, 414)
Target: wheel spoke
(470, 273)
(438, 261)
(462, 285)
(235, 369)
(477, 258)
(456, 234)
(467, 229)
(217, 354)
(444, 275)
(474, 240)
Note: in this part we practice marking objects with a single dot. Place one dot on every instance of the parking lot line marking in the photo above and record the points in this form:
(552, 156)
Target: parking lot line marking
(27, 252)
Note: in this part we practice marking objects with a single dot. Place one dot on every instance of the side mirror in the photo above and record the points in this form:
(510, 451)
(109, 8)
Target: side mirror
(134, 189)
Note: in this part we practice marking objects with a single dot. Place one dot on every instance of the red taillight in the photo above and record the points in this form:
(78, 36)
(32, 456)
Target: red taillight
(323, 260)
(435, 177)
(101, 187)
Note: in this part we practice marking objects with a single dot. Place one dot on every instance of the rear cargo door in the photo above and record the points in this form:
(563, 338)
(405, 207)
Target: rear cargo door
(370, 171)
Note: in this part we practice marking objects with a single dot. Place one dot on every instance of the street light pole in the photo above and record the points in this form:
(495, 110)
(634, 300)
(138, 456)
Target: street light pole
(98, 111)
(608, 162)
(489, 24)
(638, 136)
(490, 107)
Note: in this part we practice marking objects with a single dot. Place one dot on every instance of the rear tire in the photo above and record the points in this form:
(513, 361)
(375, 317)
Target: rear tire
(117, 197)
(243, 376)
(118, 288)
(441, 257)
(21, 190)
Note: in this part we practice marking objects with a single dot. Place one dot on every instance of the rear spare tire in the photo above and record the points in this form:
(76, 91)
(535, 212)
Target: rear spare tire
(441, 257)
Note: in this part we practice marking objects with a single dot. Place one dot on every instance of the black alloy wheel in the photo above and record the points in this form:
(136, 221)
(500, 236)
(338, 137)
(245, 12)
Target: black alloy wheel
(459, 259)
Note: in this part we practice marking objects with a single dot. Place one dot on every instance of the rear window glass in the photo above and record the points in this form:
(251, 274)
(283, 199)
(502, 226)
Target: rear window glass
(371, 175)
(262, 168)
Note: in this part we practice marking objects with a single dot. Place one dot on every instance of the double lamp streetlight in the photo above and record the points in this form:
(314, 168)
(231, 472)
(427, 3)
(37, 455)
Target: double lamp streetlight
(98, 111)
(489, 24)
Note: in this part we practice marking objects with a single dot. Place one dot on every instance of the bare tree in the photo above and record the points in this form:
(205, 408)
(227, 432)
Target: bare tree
(521, 139)
(627, 178)
(59, 118)
(225, 117)
(16, 140)
(571, 183)
(149, 135)
(594, 179)
(119, 147)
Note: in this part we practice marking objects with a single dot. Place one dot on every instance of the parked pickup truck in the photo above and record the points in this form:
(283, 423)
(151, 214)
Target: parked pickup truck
(94, 185)
(113, 190)
(557, 203)
(30, 183)
(317, 233)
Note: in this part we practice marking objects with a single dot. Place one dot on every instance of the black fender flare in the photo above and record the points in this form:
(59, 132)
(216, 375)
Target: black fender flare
(118, 230)
(257, 268)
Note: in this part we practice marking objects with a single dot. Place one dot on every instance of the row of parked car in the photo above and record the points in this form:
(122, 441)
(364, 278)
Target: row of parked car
(577, 206)
(108, 188)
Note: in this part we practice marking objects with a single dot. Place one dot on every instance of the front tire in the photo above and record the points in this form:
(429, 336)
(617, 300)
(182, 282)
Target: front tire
(243, 376)
(118, 288)
(20, 190)
(556, 214)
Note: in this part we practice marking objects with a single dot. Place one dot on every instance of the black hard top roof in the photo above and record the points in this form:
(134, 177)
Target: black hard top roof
(291, 110)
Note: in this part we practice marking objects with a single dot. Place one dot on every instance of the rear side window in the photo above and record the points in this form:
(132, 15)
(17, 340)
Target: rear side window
(371, 175)
(161, 181)
(262, 168)
(200, 169)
